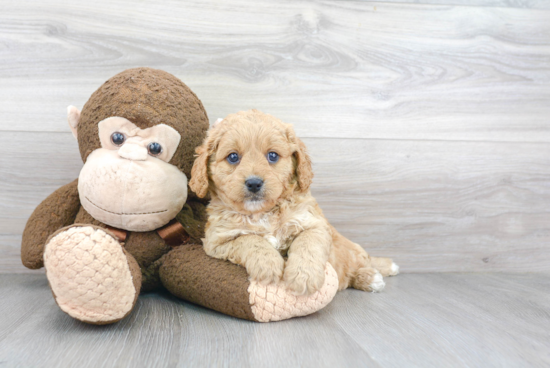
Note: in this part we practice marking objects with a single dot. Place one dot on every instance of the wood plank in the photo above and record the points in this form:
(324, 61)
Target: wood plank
(10, 256)
(432, 205)
(451, 320)
(530, 4)
(37, 165)
(161, 331)
(335, 69)
(439, 206)
(422, 320)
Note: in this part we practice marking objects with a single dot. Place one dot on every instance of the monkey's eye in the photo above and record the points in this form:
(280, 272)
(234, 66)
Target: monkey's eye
(117, 138)
(154, 149)
(272, 157)
(233, 158)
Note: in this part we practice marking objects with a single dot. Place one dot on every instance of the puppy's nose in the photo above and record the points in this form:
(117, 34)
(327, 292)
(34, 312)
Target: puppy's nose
(254, 184)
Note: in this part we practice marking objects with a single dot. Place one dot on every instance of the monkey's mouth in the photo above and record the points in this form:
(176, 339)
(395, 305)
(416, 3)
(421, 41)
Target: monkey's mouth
(124, 213)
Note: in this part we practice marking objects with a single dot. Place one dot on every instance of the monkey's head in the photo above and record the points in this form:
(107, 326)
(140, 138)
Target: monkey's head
(137, 134)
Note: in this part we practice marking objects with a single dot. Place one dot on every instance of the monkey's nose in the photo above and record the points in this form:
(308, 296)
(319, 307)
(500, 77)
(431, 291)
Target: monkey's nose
(132, 151)
(254, 184)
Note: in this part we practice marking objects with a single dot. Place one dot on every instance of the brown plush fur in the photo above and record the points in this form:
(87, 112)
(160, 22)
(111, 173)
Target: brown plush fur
(257, 230)
(146, 97)
(55, 212)
(215, 284)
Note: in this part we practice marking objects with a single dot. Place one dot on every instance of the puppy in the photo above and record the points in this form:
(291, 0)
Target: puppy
(261, 210)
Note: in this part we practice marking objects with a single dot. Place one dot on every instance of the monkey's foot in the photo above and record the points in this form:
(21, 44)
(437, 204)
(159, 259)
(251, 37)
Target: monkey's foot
(92, 277)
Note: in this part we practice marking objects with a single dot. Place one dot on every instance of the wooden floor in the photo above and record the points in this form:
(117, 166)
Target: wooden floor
(419, 320)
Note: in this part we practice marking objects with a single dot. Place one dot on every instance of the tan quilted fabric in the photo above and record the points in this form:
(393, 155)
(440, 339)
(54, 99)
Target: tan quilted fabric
(275, 303)
(89, 274)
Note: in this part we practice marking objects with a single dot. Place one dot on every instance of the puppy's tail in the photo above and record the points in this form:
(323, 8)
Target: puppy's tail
(355, 268)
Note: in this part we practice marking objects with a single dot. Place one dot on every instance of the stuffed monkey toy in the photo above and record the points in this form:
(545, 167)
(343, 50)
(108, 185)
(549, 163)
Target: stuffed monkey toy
(129, 223)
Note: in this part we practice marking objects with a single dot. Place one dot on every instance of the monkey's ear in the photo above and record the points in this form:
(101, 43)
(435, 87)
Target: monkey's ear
(73, 115)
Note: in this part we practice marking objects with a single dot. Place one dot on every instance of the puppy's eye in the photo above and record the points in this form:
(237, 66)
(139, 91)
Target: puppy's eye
(117, 138)
(272, 157)
(233, 158)
(154, 149)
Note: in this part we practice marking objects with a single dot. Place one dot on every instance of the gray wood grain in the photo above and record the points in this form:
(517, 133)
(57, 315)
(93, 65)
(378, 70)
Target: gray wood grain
(439, 206)
(422, 320)
(335, 69)
(437, 320)
(431, 205)
(533, 4)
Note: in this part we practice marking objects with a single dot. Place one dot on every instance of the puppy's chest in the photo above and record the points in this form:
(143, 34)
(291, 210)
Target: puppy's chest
(278, 231)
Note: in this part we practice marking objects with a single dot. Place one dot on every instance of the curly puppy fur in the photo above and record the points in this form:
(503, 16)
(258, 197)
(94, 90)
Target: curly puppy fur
(257, 229)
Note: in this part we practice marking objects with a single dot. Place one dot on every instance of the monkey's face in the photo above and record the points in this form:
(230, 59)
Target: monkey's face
(128, 182)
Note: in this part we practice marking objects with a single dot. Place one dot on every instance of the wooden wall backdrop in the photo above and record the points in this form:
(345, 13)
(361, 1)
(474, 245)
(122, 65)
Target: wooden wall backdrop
(428, 122)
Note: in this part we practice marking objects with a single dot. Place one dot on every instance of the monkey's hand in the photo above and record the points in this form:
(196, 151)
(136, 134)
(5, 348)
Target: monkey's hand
(56, 211)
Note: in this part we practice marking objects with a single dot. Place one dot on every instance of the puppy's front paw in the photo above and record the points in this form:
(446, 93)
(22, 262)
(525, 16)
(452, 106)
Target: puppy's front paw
(265, 269)
(303, 277)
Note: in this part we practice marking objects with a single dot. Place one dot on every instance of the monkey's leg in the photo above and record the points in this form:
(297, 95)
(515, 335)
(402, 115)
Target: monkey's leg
(92, 277)
(188, 273)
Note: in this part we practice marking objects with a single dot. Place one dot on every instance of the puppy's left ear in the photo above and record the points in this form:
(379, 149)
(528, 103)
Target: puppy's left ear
(199, 172)
(304, 172)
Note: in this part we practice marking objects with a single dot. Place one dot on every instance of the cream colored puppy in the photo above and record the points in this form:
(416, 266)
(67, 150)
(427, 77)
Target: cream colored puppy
(259, 173)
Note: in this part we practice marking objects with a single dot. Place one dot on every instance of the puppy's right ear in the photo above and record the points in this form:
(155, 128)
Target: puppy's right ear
(199, 172)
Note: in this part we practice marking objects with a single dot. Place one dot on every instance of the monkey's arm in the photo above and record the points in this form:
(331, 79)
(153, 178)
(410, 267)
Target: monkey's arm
(193, 218)
(55, 212)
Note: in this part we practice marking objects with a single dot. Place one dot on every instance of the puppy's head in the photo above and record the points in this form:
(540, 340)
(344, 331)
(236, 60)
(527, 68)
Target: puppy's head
(250, 160)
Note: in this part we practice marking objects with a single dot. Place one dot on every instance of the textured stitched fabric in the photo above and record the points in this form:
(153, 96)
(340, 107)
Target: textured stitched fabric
(274, 303)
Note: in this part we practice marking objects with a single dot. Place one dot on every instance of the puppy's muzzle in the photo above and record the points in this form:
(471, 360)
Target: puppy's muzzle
(254, 184)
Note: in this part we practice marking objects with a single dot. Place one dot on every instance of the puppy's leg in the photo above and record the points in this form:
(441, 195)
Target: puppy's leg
(368, 279)
(307, 257)
(385, 266)
(262, 262)
(355, 268)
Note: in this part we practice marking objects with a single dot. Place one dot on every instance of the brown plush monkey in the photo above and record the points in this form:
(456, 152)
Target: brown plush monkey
(128, 224)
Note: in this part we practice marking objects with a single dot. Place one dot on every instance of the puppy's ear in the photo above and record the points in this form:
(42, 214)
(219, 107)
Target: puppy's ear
(304, 172)
(199, 172)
